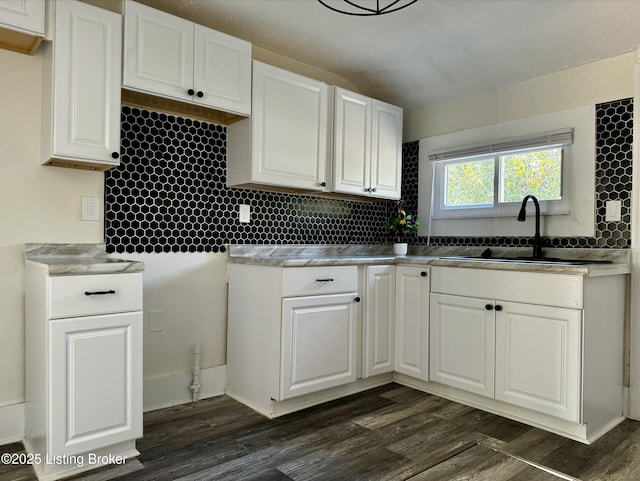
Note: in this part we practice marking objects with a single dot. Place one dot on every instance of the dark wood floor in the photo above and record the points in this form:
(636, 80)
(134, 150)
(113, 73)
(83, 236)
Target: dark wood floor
(392, 433)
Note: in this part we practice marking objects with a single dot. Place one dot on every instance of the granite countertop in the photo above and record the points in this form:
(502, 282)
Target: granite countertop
(314, 255)
(78, 259)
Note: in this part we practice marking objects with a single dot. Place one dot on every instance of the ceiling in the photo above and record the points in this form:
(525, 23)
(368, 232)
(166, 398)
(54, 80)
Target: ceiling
(432, 50)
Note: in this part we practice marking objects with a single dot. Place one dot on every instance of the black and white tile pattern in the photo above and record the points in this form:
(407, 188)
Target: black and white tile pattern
(169, 194)
(614, 137)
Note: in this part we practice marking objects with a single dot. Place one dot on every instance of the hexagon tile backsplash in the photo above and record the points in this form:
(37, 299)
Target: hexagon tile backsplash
(169, 194)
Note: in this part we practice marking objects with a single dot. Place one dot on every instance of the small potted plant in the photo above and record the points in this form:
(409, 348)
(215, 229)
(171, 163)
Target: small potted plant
(400, 225)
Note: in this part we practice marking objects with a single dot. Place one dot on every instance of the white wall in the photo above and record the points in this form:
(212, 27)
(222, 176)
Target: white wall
(37, 204)
(185, 303)
(583, 86)
(609, 79)
(43, 204)
(578, 214)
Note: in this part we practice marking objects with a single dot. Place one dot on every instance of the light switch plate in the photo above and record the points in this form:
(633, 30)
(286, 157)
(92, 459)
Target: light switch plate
(91, 208)
(613, 211)
(244, 213)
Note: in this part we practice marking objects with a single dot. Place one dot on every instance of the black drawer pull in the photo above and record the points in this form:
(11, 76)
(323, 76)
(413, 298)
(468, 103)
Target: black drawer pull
(498, 307)
(488, 307)
(99, 293)
(328, 279)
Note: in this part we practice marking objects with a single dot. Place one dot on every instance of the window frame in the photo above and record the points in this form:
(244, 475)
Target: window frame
(497, 208)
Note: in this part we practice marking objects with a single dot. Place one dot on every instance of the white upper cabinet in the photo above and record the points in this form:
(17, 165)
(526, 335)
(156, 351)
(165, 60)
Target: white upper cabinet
(22, 25)
(171, 57)
(81, 88)
(367, 146)
(222, 71)
(284, 143)
(158, 52)
(23, 15)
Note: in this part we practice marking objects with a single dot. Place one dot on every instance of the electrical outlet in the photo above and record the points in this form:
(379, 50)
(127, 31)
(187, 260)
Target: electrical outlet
(157, 320)
(613, 211)
(91, 208)
(244, 213)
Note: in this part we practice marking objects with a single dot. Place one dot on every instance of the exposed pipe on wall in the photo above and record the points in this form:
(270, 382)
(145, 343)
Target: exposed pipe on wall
(195, 385)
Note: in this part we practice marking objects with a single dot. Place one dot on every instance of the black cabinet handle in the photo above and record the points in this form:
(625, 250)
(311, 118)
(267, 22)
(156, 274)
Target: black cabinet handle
(423, 274)
(489, 307)
(328, 279)
(374, 189)
(200, 94)
(357, 299)
(191, 92)
(99, 293)
(498, 307)
(115, 155)
(323, 184)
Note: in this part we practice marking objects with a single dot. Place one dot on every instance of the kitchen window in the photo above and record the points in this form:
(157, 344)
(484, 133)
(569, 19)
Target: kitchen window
(489, 180)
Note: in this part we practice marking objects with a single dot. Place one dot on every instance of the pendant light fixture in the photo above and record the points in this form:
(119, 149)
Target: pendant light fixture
(364, 8)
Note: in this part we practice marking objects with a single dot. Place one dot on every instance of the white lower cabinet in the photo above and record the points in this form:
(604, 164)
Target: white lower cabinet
(292, 335)
(523, 354)
(412, 321)
(541, 348)
(379, 320)
(83, 377)
(538, 358)
(96, 381)
(462, 336)
(318, 343)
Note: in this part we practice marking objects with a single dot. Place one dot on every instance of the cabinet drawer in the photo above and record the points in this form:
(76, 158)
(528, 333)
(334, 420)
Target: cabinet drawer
(311, 281)
(94, 294)
(558, 290)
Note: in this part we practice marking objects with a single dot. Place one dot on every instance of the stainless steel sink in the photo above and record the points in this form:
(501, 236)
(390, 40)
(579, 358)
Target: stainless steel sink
(529, 260)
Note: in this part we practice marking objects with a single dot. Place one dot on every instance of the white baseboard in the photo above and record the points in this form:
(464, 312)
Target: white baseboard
(11, 423)
(159, 392)
(173, 389)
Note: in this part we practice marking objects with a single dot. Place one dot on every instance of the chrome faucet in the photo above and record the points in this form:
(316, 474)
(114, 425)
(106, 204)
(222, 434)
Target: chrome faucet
(522, 216)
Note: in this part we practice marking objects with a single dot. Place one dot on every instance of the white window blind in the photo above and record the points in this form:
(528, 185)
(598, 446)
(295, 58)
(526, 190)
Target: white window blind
(549, 140)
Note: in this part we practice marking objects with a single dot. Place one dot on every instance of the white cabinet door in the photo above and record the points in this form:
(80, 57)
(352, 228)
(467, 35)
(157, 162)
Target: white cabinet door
(318, 348)
(379, 320)
(85, 95)
(222, 71)
(538, 358)
(172, 57)
(351, 142)
(96, 382)
(158, 52)
(289, 129)
(412, 322)
(23, 15)
(367, 153)
(386, 150)
(462, 337)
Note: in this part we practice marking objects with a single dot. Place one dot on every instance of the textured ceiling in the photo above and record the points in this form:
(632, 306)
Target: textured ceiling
(434, 49)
